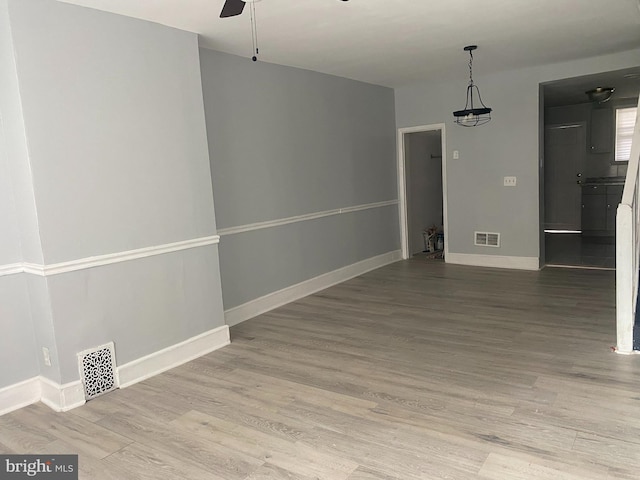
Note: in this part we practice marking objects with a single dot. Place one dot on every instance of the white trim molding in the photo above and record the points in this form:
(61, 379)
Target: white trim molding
(268, 302)
(19, 395)
(107, 259)
(173, 356)
(61, 398)
(41, 389)
(11, 269)
(303, 218)
(495, 261)
(403, 205)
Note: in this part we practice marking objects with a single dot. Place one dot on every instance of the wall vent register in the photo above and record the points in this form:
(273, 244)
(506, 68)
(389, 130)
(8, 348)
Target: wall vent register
(487, 239)
(98, 370)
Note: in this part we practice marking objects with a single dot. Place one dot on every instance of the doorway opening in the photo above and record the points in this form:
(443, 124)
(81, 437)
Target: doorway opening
(567, 237)
(422, 191)
(581, 177)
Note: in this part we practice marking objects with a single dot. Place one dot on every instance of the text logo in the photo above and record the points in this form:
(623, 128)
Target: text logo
(51, 467)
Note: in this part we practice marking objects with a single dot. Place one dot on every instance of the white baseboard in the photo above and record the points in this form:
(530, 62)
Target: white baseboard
(495, 261)
(173, 356)
(268, 302)
(40, 389)
(61, 398)
(19, 395)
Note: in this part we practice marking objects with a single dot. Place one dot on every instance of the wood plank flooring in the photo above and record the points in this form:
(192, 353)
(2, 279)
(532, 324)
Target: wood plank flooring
(419, 370)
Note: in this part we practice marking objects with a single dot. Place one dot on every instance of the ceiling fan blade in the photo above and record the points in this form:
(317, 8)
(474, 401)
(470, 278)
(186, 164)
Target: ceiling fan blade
(232, 8)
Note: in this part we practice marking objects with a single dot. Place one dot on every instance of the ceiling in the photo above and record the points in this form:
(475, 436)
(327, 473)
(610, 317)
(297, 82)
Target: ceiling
(571, 91)
(400, 42)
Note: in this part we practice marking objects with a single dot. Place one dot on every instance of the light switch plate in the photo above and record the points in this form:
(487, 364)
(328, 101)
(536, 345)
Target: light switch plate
(456, 154)
(509, 181)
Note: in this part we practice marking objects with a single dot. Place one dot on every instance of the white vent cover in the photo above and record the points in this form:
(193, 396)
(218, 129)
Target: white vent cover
(487, 239)
(98, 370)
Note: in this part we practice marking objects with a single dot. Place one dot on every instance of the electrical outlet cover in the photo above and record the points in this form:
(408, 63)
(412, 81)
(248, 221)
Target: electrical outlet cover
(509, 181)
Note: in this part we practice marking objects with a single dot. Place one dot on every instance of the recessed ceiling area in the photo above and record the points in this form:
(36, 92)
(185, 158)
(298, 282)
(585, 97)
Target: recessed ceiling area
(400, 42)
(571, 91)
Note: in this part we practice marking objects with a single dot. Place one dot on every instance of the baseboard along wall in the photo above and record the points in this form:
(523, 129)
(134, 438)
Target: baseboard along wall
(273, 300)
(62, 398)
(495, 261)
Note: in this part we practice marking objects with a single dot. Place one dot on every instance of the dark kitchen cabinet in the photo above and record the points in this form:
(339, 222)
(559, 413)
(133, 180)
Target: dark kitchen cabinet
(599, 208)
(594, 211)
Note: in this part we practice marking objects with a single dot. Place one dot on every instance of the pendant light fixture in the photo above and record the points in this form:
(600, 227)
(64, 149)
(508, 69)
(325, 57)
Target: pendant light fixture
(473, 114)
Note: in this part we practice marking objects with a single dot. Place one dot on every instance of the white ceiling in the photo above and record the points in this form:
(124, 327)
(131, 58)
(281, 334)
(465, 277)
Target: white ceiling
(399, 42)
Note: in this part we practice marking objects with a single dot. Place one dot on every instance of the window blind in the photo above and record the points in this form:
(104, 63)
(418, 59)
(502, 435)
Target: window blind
(625, 123)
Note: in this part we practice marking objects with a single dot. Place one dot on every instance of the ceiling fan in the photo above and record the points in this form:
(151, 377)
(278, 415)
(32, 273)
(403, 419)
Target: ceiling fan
(231, 8)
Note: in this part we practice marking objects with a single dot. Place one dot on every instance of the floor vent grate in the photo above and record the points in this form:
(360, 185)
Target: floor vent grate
(98, 370)
(487, 239)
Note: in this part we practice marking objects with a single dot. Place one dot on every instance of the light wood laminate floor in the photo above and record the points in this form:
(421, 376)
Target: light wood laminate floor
(418, 370)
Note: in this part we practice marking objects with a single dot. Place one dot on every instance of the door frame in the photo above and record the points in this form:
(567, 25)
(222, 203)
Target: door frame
(402, 185)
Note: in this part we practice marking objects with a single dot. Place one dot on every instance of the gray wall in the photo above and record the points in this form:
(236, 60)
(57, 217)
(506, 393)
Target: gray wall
(143, 305)
(507, 146)
(17, 341)
(424, 185)
(286, 142)
(15, 146)
(10, 239)
(18, 355)
(256, 263)
(118, 157)
(113, 112)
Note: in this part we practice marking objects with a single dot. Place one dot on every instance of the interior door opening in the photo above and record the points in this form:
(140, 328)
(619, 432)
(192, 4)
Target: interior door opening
(422, 183)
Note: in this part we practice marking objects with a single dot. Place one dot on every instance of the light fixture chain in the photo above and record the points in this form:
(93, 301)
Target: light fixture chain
(470, 67)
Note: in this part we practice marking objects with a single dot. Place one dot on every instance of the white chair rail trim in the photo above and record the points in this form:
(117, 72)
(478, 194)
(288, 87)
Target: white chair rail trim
(107, 259)
(303, 218)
